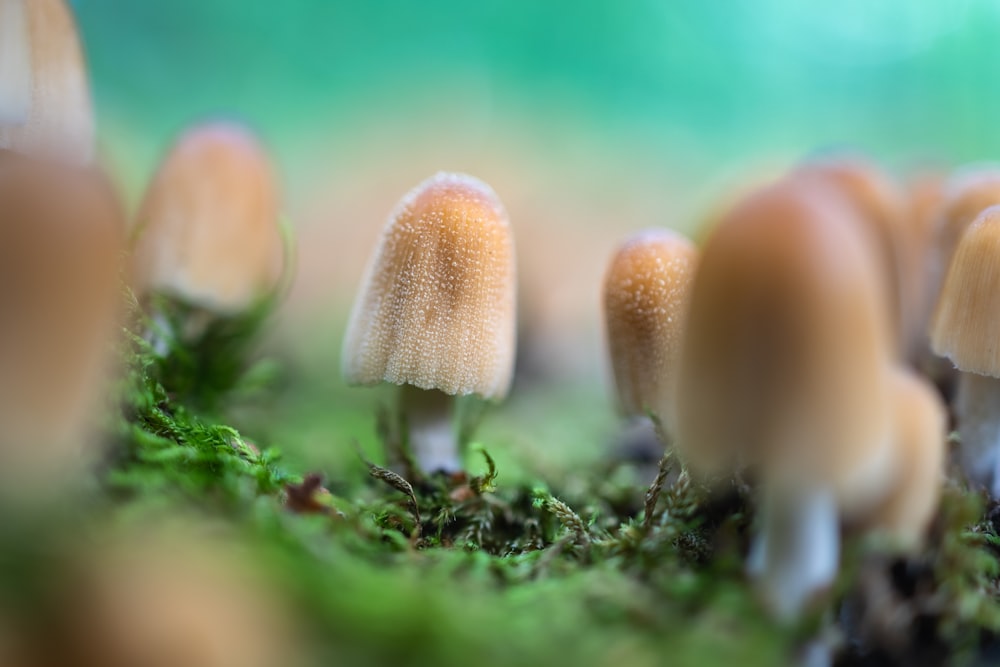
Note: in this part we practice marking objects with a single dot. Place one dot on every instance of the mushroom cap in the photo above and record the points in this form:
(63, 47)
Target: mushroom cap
(437, 307)
(212, 606)
(15, 63)
(646, 291)
(966, 325)
(783, 361)
(208, 227)
(919, 447)
(60, 115)
(881, 206)
(60, 294)
(968, 192)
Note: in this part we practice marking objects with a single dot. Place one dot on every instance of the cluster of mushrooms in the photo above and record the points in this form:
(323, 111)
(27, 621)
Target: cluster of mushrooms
(806, 347)
(811, 347)
(206, 235)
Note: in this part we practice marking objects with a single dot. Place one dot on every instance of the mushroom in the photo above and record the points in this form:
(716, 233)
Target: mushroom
(646, 292)
(56, 120)
(208, 233)
(15, 63)
(784, 369)
(435, 313)
(880, 205)
(964, 195)
(920, 422)
(60, 246)
(965, 329)
(174, 596)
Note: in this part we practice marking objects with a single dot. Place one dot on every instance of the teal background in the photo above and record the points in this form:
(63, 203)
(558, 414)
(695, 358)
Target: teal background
(899, 77)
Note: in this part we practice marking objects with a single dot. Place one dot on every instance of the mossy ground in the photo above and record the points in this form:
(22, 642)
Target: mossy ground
(550, 561)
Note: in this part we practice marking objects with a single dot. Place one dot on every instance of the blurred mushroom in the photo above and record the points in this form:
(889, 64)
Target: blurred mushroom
(784, 368)
(964, 195)
(172, 596)
(880, 205)
(965, 329)
(60, 246)
(646, 291)
(435, 313)
(207, 230)
(919, 443)
(57, 119)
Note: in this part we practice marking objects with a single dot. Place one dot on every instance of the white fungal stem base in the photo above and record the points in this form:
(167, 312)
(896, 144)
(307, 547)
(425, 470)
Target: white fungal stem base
(160, 334)
(977, 407)
(426, 414)
(796, 554)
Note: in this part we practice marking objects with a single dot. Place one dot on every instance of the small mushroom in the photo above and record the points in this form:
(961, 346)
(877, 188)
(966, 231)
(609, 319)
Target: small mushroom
(56, 121)
(435, 313)
(965, 329)
(208, 233)
(880, 205)
(784, 369)
(646, 293)
(60, 244)
(919, 443)
(172, 595)
(968, 192)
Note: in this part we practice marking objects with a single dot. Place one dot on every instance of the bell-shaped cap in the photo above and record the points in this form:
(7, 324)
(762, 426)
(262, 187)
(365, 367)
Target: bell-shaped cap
(646, 293)
(436, 308)
(966, 325)
(968, 192)
(60, 295)
(784, 357)
(57, 119)
(208, 230)
(881, 208)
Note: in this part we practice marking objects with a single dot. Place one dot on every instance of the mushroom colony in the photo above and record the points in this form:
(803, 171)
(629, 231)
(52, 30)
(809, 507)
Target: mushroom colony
(815, 348)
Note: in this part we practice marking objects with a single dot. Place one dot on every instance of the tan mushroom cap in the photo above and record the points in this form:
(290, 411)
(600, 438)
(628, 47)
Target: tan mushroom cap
(966, 326)
(436, 308)
(784, 359)
(919, 452)
(969, 192)
(60, 115)
(180, 595)
(882, 208)
(60, 292)
(15, 63)
(646, 293)
(208, 226)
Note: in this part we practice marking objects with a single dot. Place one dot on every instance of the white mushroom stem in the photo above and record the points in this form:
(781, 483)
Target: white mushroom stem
(159, 334)
(427, 418)
(796, 554)
(977, 407)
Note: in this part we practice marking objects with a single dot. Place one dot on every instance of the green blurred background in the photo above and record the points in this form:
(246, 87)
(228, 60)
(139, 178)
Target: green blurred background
(724, 78)
(590, 119)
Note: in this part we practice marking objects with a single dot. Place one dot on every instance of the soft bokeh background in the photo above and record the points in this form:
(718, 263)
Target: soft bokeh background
(590, 119)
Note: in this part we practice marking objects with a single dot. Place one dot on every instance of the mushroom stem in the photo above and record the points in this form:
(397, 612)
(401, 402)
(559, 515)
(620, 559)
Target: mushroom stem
(795, 556)
(159, 334)
(426, 416)
(976, 407)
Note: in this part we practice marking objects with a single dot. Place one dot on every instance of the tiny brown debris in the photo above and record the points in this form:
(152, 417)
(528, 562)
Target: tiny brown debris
(306, 497)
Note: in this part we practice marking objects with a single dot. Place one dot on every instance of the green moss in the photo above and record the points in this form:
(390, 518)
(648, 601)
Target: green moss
(582, 567)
